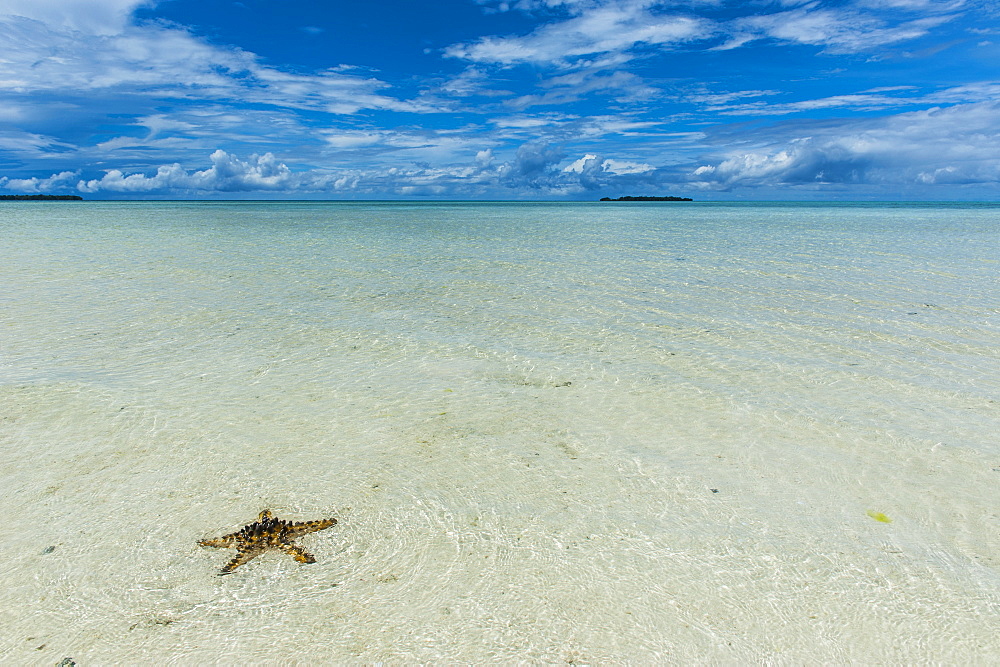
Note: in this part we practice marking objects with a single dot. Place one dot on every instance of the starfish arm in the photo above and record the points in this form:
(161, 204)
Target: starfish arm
(220, 542)
(242, 557)
(300, 528)
(297, 552)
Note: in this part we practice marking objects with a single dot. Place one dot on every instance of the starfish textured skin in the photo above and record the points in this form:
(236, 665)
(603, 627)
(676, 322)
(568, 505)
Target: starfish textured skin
(264, 534)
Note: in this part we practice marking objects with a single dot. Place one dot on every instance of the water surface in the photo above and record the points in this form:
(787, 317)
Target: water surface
(550, 432)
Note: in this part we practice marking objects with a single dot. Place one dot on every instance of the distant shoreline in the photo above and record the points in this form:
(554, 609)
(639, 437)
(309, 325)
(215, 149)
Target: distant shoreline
(41, 198)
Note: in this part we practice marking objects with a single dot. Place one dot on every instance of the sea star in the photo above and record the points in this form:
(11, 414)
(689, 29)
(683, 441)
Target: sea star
(264, 534)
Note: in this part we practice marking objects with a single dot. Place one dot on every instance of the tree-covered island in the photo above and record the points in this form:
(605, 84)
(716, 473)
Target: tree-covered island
(41, 198)
(647, 199)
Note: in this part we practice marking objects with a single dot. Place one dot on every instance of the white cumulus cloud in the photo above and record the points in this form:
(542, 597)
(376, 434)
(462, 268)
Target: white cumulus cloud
(62, 182)
(611, 166)
(227, 174)
(953, 145)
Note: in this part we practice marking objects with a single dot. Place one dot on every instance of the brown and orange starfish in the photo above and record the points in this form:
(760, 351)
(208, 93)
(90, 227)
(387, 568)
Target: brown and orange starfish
(264, 534)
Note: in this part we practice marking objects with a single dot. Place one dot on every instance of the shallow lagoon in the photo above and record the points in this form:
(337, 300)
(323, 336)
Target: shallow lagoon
(550, 432)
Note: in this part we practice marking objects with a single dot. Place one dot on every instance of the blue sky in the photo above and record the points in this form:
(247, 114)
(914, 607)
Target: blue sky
(501, 99)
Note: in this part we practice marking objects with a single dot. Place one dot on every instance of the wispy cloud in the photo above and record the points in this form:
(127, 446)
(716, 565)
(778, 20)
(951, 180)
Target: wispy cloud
(30, 143)
(162, 60)
(869, 100)
(597, 28)
(88, 17)
(837, 30)
(622, 86)
(623, 26)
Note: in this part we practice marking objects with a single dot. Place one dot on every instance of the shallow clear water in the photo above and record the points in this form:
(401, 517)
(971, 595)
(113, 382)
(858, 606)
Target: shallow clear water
(550, 432)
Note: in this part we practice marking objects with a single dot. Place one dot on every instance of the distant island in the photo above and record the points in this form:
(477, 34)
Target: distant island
(647, 199)
(41, 198)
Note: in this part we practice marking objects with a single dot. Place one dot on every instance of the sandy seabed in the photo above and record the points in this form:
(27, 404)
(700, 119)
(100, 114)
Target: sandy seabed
(550, 433)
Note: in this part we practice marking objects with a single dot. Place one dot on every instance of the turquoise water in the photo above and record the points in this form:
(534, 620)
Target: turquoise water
(550, 432)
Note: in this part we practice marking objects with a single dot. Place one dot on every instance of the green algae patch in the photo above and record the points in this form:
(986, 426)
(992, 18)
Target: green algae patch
(878, 516)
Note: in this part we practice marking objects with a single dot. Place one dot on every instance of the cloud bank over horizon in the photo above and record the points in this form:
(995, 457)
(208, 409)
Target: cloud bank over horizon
(556, 99)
